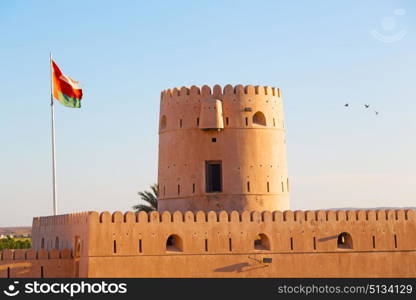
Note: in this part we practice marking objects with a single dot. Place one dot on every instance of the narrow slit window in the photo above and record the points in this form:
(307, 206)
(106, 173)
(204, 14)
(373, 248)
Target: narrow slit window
(42, 243)
(230, 244)
(180, 123)
(206, 245)
(268, 187)
(197, 122)
(42, 275)
(179, 189)
(164, 191)
(140, 246)
(395, 241)
(227, 121)
(287, 184)
(283, 187)
(274, 123)
(114, 246)
(246, 121)
(314, 243)
(248, 186)
(193, 188)
(8, 272)
(374, 242)
(213, 176)
(56, 242)
(291, 243)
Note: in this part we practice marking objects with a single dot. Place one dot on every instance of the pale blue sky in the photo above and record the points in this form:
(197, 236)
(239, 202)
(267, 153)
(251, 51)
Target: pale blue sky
(320, 53)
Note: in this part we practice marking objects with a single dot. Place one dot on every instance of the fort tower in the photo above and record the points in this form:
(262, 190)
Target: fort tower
(222, 149)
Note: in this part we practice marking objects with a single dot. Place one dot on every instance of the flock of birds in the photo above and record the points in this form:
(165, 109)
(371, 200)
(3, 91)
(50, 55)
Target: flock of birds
(366, 106)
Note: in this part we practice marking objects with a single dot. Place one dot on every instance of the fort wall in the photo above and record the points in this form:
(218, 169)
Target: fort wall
(23, 263)
(221, 244)
(241, 127)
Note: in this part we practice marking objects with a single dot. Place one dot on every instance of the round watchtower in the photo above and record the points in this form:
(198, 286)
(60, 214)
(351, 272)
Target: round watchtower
(222, 149)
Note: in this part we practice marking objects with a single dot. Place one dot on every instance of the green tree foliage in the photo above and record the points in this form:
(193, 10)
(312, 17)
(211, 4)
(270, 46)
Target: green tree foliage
(15, 243)
(149, 198)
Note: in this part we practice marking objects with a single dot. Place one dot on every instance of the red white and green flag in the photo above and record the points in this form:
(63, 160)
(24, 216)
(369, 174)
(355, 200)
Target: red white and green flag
(65, 89)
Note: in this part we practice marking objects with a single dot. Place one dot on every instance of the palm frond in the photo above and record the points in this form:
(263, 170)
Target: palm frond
(149, 197)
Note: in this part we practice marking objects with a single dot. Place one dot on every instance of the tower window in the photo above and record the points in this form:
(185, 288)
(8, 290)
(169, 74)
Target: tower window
(283, 188)
(246, 121)
(274, 123)
(213, 176)
(42, 243)
(197, 121)
(268, 187)
(114, 246)
(227, 121)
(344, 240)
(57, 243)
(163, 122)
(193, 188)
(180, 123)
(248, 186)
(179, 189)
(214, 140)
(259, 118)
(140, 246)
(395, 241)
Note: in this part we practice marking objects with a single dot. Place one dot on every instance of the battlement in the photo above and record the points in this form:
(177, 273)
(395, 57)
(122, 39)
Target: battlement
(255, 216)
(68, 219)
(31, 254)
(217, 91)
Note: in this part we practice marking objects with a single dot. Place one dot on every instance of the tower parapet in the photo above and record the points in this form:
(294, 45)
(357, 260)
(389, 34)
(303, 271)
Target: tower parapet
(222, 149)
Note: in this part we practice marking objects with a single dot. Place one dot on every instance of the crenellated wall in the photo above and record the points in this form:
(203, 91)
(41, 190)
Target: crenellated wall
(241, 127)
(23, 263)
(222, 244)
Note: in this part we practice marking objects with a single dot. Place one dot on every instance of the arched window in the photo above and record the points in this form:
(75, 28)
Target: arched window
(262, 242)
(344, 240)
(163, 122)
(259, 119)
(174, 243)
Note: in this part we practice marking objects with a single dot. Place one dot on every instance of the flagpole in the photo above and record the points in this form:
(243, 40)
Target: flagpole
(54, 185)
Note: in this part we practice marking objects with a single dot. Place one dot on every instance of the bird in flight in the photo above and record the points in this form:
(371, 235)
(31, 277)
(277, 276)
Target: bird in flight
(366, 105)
(376, 112)
(346, 105)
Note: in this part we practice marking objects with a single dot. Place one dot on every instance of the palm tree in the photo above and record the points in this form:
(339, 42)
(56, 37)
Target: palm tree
(150, 198)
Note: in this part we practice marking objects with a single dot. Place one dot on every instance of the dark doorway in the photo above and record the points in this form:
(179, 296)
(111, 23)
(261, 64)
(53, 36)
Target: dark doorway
(213, 176)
